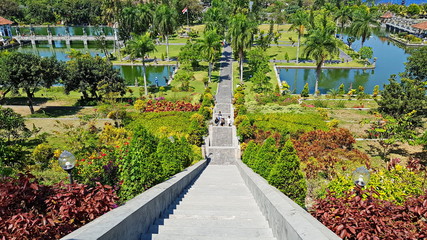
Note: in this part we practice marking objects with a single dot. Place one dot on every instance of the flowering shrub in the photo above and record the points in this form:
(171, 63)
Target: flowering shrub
(164, 106)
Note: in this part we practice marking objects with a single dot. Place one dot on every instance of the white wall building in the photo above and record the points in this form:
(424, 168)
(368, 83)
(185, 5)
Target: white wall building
(5, 29)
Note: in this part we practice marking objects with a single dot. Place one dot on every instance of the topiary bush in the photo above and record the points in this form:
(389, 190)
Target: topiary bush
(287, 176)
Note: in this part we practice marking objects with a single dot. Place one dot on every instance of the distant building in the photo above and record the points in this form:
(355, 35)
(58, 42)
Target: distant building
(5, 29)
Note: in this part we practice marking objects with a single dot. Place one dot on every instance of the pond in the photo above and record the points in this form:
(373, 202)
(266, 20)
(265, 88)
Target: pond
(390, 60)
(130, 73)
(62, 30)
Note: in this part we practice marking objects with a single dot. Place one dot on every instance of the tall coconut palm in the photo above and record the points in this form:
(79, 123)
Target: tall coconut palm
(342, 17)
(165, 23)
(140, 46)
(364, 22)
(320, 45)
(299, 21)
(241, 32)
(210, 47)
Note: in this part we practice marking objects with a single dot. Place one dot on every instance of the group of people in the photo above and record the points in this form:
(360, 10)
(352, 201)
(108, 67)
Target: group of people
(220, 120)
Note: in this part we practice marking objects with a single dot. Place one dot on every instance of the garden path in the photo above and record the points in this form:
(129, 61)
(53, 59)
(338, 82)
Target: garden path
(218, 205)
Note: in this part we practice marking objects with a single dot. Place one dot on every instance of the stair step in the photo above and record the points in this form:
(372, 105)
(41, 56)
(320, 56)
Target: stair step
(216, 231)
(188, 237)
(234, 223)
(177, 213)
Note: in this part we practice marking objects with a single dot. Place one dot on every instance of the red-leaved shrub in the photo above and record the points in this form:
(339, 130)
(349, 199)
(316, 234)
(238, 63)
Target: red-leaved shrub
(320, 151)
(364, 218)
(29, 210)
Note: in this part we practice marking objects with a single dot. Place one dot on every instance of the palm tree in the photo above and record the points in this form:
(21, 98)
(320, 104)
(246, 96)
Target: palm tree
(139, 46)
(299, 21)
(211, 47)
(320, 45)
(241, 32)
(364, 23)
(165, 23)
(110, 9)
(343, 16)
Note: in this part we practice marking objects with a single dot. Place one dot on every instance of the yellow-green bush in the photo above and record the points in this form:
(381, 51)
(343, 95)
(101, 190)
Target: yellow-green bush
(394, 185)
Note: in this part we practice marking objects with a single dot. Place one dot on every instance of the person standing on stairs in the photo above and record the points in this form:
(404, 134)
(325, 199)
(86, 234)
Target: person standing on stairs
(229, 121)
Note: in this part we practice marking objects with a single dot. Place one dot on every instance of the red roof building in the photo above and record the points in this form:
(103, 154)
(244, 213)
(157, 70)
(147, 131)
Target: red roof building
(4, 21)
(422, 26)
(387, 15)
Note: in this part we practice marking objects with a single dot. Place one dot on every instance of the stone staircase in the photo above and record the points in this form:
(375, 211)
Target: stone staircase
(217, 206)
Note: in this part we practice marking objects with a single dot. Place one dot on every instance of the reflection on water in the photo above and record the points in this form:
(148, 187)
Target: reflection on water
(390, 60)
(130, 73)
(90, 30)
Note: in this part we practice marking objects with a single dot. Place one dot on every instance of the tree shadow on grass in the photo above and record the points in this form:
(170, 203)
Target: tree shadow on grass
(24, 101)
(56, 111)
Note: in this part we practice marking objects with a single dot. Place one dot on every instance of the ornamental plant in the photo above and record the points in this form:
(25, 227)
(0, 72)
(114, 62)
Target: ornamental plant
(29, 210)
(304, 92)
(265, 158)
(364, 216)
(394, 185)
(287, 176)
(139, 169)
(325, 151)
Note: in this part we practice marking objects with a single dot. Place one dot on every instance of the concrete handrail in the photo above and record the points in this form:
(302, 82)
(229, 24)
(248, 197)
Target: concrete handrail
(134, 218)
(286, 218)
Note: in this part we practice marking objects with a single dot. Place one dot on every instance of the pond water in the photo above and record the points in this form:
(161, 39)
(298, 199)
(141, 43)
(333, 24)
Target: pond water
(130, 73)
(79, 30)
(390, 60)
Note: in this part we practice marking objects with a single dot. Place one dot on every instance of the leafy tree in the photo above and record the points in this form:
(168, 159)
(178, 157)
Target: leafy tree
(79, 12)
(165, 23)
(320, 44)
(211, 48)
(258, 61)
(413, 9)
(416, 67)
(399, 99)
(29, 72)
(94, 76)
(10, 9)
(287, 176)
(190, 55)
(12, 125)
(241, 32)
(184, 77)
(40, 11)
(364, 22)
(261, 82)
(140, 46)
(140, 168)
(299, 21)
(366, 52)
(264, 40)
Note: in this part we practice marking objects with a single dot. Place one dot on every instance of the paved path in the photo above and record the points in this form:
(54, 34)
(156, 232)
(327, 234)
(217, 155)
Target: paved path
(219, 205)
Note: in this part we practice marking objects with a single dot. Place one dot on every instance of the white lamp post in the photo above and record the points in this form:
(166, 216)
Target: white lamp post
(67, 161)
(361, 176)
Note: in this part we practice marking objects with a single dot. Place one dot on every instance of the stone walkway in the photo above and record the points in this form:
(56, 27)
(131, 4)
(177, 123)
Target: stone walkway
(219, 205)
